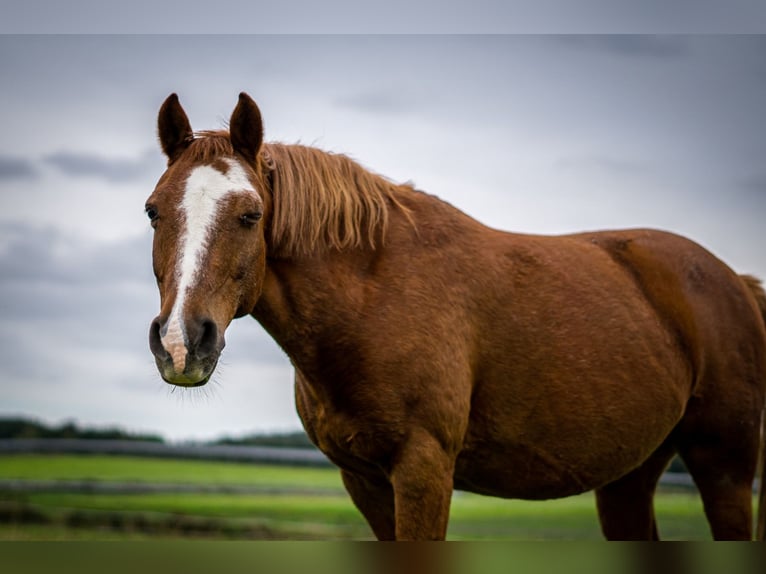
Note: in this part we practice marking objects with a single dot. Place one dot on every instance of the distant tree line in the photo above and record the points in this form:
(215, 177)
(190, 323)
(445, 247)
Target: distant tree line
(19, 427)
(26, 428)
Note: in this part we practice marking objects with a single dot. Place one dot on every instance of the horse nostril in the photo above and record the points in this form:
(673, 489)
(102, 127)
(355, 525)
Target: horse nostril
(155, 341)
(206, 341)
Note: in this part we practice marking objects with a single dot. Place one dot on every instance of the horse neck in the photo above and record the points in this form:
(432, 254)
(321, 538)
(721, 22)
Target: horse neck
(307, 297)
(309, 301)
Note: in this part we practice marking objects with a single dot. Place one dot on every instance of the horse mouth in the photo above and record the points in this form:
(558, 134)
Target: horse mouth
(186, 382)
(188, 379)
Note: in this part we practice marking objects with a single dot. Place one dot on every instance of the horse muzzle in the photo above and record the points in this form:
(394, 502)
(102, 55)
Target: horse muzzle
(186, 353)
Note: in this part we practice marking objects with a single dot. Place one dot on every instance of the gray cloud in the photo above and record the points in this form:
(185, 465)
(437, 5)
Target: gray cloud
(16, 168)
(44, 254)
(19, 359)
(377, 102)
(26, 252)
(755, 185)
(344, 16)
(614, 165)
(99, 294)
(635, 46)
(113, 170)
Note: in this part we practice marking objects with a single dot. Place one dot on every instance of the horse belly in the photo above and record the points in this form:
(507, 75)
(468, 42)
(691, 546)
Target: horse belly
(517, 472)
(560, 444)
(528, 472)
(550, 469)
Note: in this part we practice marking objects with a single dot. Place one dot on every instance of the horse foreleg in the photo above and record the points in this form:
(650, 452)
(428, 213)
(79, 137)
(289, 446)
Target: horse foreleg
(422, 481)
(375, 500)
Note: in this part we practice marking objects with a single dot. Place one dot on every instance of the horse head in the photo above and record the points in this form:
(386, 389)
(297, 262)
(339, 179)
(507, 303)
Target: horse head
(208, 212)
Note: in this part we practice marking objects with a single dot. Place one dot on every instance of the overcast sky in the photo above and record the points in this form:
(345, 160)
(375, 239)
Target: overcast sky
(391, 16)
(540, 134)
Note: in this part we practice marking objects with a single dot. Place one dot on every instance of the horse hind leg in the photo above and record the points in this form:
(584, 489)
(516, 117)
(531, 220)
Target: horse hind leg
(719, 440)
(626, 507)
(723, 473)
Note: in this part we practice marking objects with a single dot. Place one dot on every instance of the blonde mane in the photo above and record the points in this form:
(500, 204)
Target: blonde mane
(325, 201)
(321, 200)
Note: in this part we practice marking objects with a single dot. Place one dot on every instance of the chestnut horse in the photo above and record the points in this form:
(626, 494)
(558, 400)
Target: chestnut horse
(433, 353)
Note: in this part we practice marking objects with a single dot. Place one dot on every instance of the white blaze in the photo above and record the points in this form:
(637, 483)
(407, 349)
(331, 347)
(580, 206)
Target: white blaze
(205, 188)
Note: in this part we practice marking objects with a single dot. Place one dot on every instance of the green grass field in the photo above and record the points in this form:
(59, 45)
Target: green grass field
(130, 468)
(296, 503)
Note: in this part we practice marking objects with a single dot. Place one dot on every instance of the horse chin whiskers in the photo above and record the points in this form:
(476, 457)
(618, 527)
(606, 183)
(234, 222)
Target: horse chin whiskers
(195, 393)
(201, 394)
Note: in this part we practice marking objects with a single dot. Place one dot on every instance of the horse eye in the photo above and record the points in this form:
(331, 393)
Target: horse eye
(151, 212)
(250, 219)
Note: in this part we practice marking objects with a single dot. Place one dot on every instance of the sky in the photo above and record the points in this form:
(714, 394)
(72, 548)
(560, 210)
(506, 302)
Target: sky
(392, 16)
(531, 133)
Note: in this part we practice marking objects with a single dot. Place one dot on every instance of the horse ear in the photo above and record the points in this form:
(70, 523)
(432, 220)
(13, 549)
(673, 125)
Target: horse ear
(174, 128)
(246, 128)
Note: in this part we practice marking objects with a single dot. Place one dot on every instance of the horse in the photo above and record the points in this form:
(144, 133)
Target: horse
(434, 353)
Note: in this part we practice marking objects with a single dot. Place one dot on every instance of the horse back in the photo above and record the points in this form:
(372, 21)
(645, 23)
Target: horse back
(710, 310)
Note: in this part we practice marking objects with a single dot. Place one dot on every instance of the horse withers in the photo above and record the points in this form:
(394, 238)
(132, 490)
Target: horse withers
(432, 352)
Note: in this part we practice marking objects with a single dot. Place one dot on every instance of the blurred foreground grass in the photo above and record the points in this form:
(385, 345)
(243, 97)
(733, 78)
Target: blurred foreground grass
(297, 503)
